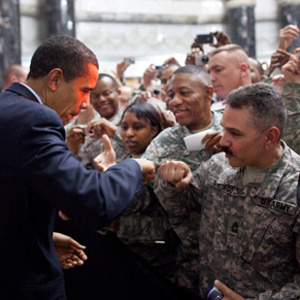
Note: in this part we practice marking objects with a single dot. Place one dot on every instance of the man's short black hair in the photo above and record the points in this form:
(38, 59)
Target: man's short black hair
(63, 52)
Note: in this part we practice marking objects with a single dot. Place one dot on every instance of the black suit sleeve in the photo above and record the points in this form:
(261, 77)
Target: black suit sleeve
(55, 174)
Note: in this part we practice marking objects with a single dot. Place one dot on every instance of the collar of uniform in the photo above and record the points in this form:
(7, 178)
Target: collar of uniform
(230, 179)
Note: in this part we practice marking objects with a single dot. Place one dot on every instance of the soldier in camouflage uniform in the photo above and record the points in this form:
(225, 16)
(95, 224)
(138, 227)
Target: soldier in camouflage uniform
(291, 95)
(250, 222)
(144, 225)
(190, 95)
(104, 98)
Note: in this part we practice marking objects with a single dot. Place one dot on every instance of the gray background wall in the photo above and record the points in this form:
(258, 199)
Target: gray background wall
(150, 30)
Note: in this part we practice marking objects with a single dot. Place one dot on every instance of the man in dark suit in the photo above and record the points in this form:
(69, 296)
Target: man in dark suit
(39, 176)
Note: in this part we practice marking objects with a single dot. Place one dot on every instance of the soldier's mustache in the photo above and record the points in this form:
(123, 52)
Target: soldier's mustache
(227, 150)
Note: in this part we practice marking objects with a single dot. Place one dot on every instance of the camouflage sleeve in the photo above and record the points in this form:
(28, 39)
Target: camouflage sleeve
(156, 151)
(89, 150)
(94, 146)
(184, 217)
(291, 96)
(135, 95)
(183, 209)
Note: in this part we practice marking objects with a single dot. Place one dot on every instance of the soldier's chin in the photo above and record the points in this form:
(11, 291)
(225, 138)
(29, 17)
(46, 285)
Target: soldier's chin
(233, 162)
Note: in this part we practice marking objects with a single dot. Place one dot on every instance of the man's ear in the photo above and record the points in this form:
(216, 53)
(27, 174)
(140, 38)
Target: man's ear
(272, 135)
(209, 90)
(54, 78)
(244, 68)
(13, 78)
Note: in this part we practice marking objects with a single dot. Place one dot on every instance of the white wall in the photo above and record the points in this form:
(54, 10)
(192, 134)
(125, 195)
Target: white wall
(150, 30)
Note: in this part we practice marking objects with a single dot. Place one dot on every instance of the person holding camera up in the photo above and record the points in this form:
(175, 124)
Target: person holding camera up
(249, 225)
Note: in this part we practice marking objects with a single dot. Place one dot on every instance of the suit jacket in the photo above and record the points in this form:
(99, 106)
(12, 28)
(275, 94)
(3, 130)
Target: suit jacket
(38, 176)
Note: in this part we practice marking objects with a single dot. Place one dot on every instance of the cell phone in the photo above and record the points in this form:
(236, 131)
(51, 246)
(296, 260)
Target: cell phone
(204, 39)
(129, 60)
(86, 132)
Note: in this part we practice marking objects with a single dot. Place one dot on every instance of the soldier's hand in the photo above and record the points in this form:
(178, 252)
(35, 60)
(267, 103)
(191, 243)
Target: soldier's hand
(228, 293)
(222, 39)
(101, 127)
(279, 58)
(75, 137)
(291, 70)
(121, 67)
(212, 142)
(286, 36)
(177, 173)
(171, 60)
(149, 74)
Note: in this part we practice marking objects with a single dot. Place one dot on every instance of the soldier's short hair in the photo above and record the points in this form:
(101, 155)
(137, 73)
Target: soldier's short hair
(238, 54)
(192, 69)
(63, 52)
(264, 102)
(113, 80)
(227, 48)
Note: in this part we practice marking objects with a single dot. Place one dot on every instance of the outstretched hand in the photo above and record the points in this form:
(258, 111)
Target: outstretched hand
(69, 252)
(177, 173)
(121, 67)
(286, 36)
(107, 158)
(228, 293)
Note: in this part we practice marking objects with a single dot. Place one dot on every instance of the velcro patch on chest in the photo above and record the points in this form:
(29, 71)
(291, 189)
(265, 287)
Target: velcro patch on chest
(279, 205)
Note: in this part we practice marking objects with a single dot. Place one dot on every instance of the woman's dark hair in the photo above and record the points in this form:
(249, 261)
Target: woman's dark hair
(144, 110)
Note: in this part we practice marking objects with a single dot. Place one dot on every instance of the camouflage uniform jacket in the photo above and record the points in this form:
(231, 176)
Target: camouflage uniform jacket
(249, 235)
(291, 96)
(145, 229)
(94, 146)
(144, 226)
(169, 145)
